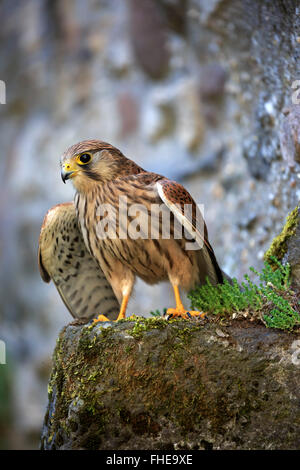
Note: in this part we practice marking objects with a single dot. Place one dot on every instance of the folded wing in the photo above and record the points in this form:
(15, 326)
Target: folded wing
(184, 208)
(64, 259)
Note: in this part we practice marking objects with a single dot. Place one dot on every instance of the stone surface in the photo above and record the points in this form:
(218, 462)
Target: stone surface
(290, 135)
(149, 36)
(180, 385)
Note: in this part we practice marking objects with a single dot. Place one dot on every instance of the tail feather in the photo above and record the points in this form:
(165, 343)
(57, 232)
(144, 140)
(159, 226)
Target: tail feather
(209, 267)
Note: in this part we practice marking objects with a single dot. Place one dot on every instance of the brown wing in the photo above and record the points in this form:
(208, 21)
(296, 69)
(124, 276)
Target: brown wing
(176, 197)
(63, 257)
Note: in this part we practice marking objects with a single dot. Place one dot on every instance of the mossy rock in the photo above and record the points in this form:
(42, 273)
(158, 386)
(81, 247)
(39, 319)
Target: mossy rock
(286, 246)
(153, 384)
(6, 403)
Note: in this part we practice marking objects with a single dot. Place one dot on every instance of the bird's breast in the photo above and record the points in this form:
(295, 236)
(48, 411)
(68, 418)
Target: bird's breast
(131, 231)
(118, 228)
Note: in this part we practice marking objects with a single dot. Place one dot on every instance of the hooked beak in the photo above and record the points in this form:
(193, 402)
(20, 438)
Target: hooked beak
(67, 171)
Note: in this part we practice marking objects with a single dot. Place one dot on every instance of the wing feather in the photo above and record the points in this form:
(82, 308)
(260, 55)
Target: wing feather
(175, 196)
(64, 259)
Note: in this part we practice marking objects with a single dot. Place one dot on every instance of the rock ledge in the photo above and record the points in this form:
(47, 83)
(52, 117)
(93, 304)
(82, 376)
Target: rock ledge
(150, 384)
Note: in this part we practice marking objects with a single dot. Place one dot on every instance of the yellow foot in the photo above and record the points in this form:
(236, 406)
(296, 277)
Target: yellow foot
(100, 318)
(104, 318)
(186, 314)
(132, 317)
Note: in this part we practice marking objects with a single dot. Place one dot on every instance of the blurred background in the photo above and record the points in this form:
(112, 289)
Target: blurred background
(194, 89)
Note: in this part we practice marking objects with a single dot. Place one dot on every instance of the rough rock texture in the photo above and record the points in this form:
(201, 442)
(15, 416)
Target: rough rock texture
(151, 384)
(198, 90)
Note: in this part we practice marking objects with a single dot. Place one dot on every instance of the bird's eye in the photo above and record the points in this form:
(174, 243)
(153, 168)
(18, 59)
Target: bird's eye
(84, 158)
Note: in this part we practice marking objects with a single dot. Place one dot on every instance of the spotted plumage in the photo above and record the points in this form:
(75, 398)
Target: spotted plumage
(102, 176)
(77, 276)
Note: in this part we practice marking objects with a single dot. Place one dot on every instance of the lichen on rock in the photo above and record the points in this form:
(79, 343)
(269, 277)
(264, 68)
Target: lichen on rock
(286, 246)
(278, 246)
(153, 384)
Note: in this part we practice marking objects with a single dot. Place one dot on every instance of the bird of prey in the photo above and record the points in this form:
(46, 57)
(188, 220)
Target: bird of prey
(95, 269)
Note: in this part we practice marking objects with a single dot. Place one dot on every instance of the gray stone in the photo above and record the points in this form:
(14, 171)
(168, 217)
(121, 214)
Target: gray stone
(149, 37)
(290, 135)
(151, 384)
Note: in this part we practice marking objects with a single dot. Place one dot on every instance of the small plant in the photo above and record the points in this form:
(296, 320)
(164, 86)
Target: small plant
(271, 299)
(157, 313)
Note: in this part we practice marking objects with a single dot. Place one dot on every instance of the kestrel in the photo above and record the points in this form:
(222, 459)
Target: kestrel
(94, 268)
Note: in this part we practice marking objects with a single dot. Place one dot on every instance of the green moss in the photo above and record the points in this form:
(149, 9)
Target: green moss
(6, 402)
(270, 300)
(69, 381)
(279, 244)
(142, 325)
(101, 353)
(149, 372)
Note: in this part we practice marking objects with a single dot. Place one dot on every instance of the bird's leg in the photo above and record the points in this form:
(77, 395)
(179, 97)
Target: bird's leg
(122, 281)
(179, 310)
(122, 313)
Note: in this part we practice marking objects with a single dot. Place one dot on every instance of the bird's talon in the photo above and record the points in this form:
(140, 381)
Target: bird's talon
(100, 318)
(181, 313)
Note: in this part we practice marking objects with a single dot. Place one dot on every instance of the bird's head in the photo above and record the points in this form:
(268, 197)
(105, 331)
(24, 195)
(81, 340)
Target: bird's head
(91, 161)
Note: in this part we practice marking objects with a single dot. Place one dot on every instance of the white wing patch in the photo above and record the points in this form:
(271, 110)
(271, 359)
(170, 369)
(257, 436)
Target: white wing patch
(183, 219)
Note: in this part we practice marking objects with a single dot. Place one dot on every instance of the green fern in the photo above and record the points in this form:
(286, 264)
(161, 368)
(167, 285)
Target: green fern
(271, 299)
